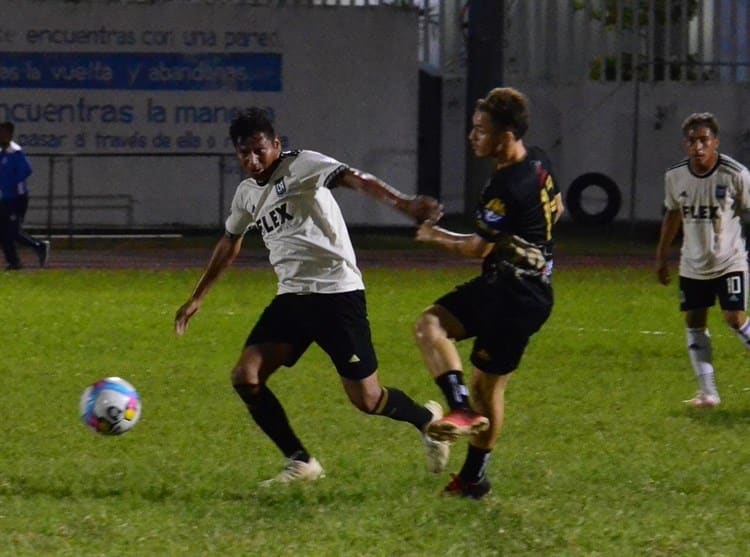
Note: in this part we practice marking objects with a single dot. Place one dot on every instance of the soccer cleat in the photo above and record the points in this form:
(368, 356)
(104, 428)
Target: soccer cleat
(13, 267)
(297, 471)
(437, 452)
(703, 400)
(456, 424)
(43, 253)
(461, 488)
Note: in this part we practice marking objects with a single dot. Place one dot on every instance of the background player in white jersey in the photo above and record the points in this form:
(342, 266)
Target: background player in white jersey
(706, 194)
(320, 296)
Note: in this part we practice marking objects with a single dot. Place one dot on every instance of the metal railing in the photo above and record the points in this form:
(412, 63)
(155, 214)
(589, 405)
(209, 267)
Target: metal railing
(65, 197)
(612, 40)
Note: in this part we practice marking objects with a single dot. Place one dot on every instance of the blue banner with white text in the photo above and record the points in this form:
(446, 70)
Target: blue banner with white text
(142, 71)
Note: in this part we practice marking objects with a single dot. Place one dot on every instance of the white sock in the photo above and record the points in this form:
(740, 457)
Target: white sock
(699, 350)
(743, 333)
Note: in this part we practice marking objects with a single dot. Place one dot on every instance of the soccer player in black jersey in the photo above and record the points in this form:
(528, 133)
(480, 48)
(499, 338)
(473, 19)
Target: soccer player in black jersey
(509, 301)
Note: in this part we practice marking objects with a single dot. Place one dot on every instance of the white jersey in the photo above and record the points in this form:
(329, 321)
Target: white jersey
(301, 224)
(713, 242)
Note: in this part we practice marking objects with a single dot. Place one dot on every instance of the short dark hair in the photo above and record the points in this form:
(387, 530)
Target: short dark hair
(8, 126)
(508, 108)
(700, 119)
(251, 122)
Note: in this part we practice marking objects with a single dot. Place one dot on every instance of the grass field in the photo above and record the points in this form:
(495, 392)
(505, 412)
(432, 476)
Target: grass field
(599, 455)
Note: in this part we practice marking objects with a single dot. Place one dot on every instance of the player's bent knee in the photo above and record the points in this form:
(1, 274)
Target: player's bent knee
(247, 373)
(365, 398)
(370, 401)
(361, 402)
(362, 406)
(248, 392)
(240, 376)
(427, 328)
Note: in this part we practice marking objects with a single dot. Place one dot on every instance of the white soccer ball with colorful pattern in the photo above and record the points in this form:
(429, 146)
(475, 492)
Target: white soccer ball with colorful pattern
(111, 406)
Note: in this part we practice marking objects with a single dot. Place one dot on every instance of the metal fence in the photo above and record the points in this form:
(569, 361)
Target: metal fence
(619, 40)
(58, 204)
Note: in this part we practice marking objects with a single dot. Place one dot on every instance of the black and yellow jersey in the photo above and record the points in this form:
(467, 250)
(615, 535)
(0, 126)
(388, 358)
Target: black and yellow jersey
(516, 212)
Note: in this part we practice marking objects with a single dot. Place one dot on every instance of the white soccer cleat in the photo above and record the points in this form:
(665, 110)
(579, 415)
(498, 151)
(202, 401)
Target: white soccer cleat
(297, 471)
(437, 452)
(703, 400)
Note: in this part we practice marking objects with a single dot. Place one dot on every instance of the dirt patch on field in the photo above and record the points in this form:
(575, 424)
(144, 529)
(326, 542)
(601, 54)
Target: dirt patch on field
(155, 258)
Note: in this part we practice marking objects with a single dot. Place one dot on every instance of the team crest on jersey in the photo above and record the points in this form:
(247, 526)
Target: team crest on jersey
(280, 187)
(494, 211)
(721, 191)
(496, 206)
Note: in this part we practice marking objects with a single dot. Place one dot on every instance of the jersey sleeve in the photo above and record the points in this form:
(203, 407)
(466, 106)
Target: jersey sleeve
(239, 219)
(744, 189)
(670, 200)
(320, 168)
(491, 215)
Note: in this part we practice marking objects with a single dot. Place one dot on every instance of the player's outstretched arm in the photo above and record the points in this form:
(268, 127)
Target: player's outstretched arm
(468, 245)
(670, 226)
(419, 207)
(225, 252)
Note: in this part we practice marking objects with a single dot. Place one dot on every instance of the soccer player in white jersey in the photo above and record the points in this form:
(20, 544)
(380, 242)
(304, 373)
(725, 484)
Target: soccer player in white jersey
(706, 194)
(320, 296)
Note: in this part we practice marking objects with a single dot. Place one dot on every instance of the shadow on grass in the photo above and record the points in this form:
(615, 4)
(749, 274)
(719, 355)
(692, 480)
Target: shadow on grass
(322, 493)
(717, 417)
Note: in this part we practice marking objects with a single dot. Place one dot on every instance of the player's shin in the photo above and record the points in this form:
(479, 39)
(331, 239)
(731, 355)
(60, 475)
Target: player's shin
(268, 413)
(397, 405)
(699, 350)
(743, 333)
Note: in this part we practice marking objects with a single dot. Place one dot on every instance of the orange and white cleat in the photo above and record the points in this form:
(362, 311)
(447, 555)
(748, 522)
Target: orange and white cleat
(457, 423)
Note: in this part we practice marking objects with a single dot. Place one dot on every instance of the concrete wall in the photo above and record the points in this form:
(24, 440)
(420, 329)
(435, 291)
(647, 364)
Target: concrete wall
(589, 128)
(121, 80)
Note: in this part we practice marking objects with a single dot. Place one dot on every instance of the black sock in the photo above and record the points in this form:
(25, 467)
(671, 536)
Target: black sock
(475, 464)
(456, 394)
(268, 413)
(397, 405)
(300, 455)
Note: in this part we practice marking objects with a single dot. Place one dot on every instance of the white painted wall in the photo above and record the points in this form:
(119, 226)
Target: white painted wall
(347, 86)
(555, 50)
(589, 128)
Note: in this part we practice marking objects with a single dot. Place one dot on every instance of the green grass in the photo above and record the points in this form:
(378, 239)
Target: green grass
(598, 457)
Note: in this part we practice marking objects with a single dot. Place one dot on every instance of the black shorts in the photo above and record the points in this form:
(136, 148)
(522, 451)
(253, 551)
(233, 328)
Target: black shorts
(336, 322)
(731, 289)
(501, 316)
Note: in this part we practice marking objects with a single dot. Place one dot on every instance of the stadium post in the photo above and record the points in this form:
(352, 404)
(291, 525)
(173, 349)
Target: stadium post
(484, 48)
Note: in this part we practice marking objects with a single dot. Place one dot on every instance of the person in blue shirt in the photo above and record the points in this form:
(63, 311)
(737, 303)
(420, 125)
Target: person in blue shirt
(14, 200)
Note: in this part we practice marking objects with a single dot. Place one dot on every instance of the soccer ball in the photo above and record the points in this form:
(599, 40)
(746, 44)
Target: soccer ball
(111, 406)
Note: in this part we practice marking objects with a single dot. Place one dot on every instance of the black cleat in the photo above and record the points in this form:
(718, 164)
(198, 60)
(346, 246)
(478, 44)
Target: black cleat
(461, 488)
(43, 253)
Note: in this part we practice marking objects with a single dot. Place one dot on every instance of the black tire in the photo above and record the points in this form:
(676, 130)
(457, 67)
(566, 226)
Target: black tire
(574, 199)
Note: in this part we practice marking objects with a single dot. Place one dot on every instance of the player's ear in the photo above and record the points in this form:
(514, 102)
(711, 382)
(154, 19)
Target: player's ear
(276, 142)
(506, 138)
